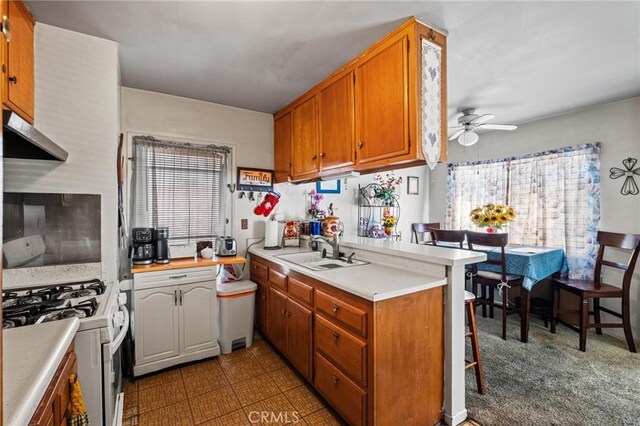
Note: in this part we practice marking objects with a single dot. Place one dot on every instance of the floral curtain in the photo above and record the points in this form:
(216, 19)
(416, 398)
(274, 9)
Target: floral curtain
(556, 195)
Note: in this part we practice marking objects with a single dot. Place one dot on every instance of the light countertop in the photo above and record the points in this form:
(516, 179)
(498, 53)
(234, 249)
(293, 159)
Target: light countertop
(434, 254)
(376, 281)
(31, 356)
(187, 262)
(372, 281)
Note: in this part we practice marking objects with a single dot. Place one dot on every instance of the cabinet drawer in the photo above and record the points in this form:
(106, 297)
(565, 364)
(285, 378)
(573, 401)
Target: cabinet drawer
(300, 291)
(278, 279)
(344, 395)
(259, 272)
(345, 350)
(342, 312)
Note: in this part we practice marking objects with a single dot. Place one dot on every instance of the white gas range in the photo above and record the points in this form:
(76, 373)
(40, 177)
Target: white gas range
(104, 322)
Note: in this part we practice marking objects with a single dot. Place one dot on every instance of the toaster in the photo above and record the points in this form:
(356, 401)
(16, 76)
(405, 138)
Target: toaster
(226, 247)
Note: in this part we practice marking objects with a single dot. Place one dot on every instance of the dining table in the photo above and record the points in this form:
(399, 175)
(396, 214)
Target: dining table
(532, 263)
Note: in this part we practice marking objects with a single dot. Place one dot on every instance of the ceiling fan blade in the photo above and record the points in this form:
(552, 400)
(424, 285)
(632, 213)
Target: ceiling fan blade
(456, 134)
(457, 126)
(497, 127)
(482, 119)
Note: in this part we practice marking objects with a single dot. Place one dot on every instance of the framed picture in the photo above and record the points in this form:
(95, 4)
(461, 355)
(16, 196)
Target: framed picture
(259, 180)
(328, 186)
(413, 183)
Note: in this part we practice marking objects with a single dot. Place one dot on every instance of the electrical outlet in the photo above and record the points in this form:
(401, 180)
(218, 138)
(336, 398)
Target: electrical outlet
(244, 224)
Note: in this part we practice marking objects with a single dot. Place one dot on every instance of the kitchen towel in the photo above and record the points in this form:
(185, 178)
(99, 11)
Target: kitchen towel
(79, 416)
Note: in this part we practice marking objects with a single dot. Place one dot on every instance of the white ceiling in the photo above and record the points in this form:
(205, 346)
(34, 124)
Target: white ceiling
(518, 60)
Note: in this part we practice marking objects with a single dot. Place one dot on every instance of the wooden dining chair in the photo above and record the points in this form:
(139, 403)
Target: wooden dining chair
(448, 236)
(472, 333)
(420, 229)
(597, 290)
(490, 281)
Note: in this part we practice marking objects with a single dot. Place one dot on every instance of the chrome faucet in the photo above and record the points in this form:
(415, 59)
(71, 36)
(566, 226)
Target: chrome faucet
(333, 242)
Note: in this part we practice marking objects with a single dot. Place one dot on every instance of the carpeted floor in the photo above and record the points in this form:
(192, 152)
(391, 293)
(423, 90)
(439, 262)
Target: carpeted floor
(548, 381)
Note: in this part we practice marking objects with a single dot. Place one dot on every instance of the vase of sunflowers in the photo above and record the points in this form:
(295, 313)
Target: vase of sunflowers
(493, 217)
(389, 222)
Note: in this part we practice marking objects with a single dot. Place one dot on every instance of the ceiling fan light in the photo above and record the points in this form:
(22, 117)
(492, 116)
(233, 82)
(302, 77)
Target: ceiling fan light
(468, 138)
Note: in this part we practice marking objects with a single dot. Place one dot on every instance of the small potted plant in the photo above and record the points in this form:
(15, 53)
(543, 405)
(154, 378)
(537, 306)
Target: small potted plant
(387, 191)
(315, 211)
(492, 216)
(389, 222)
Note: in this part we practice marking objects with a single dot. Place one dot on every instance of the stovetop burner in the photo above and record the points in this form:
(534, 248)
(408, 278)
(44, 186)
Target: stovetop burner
(51, 303)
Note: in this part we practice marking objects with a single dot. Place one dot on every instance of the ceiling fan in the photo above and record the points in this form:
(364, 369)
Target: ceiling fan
(469, 122)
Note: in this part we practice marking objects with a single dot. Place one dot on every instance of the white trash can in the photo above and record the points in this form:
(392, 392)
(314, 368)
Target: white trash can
(236, 304)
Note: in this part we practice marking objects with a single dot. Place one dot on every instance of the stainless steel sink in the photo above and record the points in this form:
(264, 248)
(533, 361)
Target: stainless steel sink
(313, 260)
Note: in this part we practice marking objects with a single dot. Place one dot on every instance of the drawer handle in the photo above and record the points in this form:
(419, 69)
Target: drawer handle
(335, 379)
(13, 79)
(177, 277)
(336, 335)
(264, 296)
(360, 144)
(314, 156)
(335, 308)
(287, 314)
(283, 312)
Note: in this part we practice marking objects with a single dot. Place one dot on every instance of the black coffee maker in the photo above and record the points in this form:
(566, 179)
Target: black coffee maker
(142, 248)
(161, 242)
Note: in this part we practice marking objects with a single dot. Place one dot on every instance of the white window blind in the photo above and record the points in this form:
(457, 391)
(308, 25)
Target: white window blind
(180, 186)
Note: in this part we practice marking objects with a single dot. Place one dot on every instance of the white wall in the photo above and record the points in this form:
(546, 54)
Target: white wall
(413, 208)
(76, 105)
(250, 133)
(616, 125)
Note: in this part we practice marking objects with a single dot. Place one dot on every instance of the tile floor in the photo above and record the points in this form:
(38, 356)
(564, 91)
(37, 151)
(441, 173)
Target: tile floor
(228, 390)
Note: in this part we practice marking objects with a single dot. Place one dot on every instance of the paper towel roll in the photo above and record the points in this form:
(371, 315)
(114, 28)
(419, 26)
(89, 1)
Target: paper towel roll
(271, 235)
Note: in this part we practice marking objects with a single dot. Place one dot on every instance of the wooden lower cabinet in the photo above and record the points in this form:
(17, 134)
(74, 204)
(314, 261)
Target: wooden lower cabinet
(375, 363)
(344, 395)
(278, 319)
(300, 337)
(54, 408)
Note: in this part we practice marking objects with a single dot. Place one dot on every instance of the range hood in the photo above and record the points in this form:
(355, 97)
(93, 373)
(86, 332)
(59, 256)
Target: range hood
(22, 140)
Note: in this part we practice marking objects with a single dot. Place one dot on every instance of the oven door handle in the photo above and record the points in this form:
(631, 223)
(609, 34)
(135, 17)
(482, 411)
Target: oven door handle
(115, 345)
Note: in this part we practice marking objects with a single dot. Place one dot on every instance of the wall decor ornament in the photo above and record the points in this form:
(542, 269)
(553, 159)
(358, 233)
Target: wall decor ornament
(629, 186)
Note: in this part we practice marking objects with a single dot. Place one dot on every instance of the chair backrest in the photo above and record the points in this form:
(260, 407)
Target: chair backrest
(490, 240)
(447, 236)
(422, 228)
(619, 241)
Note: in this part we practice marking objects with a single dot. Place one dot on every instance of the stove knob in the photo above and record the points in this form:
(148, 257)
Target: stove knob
(118, 319)
(122, 298)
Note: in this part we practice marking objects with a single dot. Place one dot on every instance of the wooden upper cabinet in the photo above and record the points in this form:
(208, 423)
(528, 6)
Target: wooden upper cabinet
(337, 109)
(381, 103)
(282, 147)
(305, 139)
(17, 61)
(370, 114)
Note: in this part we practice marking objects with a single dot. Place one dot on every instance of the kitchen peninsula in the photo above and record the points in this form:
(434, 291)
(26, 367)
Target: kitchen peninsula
(365, 334)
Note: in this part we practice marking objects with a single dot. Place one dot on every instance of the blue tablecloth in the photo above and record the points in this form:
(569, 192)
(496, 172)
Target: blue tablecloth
(532, 263)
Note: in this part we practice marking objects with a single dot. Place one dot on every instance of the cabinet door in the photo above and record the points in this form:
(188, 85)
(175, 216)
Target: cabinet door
(299, 337)
(156, 323)
(277, 319)
(282, 148)
(262, 308)
(382, 104)
(336, 105)
(198, 312)
(18, 73)
(305, 139)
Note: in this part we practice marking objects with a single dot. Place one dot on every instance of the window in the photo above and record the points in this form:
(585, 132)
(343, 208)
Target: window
(556, 195)
(180, 186)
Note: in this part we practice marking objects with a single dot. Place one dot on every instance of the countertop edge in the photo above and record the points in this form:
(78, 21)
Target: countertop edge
(429, 282)
(27, 406)
(185, 263)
